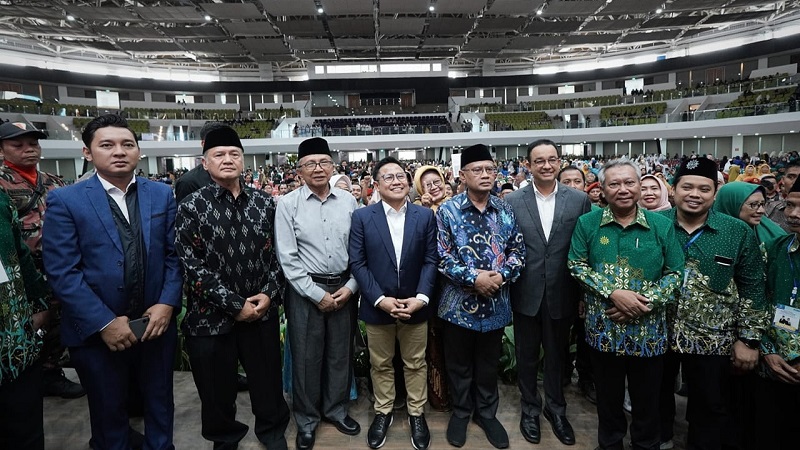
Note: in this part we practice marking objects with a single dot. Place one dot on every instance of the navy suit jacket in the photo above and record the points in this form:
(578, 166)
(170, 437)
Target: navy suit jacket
(374, 265)
(83, 256)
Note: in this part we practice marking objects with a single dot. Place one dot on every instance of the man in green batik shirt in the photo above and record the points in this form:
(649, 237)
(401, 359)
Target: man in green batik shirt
(720, 314)
(778, 389)
(627, 260)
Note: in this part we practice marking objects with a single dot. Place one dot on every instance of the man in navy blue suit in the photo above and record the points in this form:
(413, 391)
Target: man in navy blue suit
(393, 258)
(109, 254)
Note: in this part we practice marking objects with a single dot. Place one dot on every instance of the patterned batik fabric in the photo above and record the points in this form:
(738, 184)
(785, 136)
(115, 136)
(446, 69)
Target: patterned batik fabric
(782, 275)
(470, 240)
(21, 192)
(642, 257)
(226, 245)
(24, 294)
(722, 297)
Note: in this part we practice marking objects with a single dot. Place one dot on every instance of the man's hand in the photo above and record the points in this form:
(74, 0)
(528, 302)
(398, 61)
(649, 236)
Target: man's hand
(40, 320)
(486, 283)
(160, 315)
(744, 357)
(261, 301)
(248, 313)
(616, 315)
(389, 305)
(327, 303)
(341, 296)
(408, 306)
(782, 369)
(118, 335)
(630, 303)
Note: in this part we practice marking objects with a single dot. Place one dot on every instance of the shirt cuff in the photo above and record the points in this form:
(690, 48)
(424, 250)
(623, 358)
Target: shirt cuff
(423, 298)
(106, 325)
(379, 300)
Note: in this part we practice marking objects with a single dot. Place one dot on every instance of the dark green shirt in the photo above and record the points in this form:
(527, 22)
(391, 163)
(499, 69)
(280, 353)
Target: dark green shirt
(605, 256)
(722, 298)
(22, 296)
(781, 278)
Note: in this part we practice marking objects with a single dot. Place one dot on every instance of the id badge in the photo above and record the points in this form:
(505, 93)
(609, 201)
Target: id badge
(786, 318)
(3, 274)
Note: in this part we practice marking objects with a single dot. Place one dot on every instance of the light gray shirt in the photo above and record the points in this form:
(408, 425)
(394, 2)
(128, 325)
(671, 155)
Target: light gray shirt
(311, 236)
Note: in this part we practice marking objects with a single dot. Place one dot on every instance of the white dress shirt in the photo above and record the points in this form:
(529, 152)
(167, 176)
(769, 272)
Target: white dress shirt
(546, 204)
(117, 194)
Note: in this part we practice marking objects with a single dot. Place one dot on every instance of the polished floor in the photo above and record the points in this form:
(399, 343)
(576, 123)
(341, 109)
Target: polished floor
(66, 423)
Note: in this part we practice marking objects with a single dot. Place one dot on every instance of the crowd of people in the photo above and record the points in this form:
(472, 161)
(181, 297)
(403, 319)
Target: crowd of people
(660, 266)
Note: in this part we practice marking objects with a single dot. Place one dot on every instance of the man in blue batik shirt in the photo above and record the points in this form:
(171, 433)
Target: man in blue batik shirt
(482, 252)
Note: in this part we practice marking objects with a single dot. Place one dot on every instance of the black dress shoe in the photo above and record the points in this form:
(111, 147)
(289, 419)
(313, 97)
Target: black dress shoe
(56, 384)
(376, 435)
(347, 426)
(420, 436)
(305, 440)
(561, 427)
(495, 431)
(241, 383)
(457, 430)
(530, 429)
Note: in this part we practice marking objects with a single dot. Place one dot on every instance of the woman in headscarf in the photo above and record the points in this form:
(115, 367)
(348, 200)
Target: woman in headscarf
(341, 181)
(655, 195)
(745, 201)
(764, 169)
(749, 172)
(430, 184)
(733, 173)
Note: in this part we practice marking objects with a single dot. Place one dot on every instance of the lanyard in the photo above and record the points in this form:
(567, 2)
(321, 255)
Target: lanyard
(691, 241)
(791, 267)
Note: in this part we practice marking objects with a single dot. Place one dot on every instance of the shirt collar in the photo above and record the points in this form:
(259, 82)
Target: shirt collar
(608, 217)
(306, 192)
(220, 191)
(389, 210)
(466, 203)
(795, 245)
(108, 187)
(712, 221)
(539, 193)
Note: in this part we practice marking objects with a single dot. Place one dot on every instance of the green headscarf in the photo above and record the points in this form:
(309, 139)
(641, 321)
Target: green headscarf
(730, 199)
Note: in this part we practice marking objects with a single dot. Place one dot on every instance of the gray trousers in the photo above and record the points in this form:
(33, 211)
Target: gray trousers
(322, 350)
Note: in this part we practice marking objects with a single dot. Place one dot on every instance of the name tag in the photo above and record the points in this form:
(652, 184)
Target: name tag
(3, 274)
(786, 318)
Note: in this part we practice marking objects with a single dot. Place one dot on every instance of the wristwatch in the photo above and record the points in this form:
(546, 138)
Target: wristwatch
(754, 344)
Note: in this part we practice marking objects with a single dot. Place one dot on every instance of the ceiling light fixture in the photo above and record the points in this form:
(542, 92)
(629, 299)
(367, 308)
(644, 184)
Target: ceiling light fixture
(208, 18)
(320, 10)
(539, 12)
(431, 8)
(659, 11)
(70, 17)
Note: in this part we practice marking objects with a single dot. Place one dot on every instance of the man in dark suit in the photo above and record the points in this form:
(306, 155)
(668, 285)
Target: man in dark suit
(545, 297)
(109, 254)
(393, 258)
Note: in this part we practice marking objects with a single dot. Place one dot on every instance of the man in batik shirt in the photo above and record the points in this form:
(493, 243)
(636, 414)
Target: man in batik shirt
(720, 314)
(627, 260)
(482, 252)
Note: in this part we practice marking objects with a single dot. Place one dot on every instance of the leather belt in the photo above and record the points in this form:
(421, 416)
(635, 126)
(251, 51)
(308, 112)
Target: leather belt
(330, 280)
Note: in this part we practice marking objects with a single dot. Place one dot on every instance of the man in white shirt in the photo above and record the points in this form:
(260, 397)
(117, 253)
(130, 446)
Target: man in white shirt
(545, 297)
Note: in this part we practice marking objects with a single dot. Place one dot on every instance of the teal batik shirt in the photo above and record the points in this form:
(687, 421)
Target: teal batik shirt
(643, 257)
(24, 294)
(722, 298)
(783, 272)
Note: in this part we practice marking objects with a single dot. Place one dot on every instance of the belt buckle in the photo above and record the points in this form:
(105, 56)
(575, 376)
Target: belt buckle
(334, 281)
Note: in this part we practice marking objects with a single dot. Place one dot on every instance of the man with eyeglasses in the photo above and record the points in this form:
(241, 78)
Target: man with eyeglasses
(720, 317)
(545, 297)
(482, 252)
(312, 228)
(393, 257)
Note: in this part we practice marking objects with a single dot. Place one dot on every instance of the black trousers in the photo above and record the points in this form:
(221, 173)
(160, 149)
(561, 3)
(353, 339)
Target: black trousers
(643, 374)
(666, 401)
(531, 333)
(214, 361)
(708, 409)
(471, 359)
(21, 413)
(777, 415)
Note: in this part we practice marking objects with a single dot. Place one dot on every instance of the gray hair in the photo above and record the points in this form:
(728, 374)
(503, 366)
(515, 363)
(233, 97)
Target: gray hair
(617, 163)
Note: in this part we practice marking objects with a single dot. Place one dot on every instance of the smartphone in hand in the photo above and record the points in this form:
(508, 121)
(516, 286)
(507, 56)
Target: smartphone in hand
(138, 326)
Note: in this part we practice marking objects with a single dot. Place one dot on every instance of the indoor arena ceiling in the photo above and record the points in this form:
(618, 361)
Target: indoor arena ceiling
(287, 34)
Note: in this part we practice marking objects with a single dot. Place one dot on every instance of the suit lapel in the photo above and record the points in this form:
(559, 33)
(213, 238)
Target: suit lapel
(408, 230)
(382, 226)
(561, 203)
(533, 209)
(99, 201)
(145, 204)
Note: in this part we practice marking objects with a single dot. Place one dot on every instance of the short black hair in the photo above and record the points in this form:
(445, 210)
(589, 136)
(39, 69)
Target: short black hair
(106, 120)
(383, 162)
(209, 127)
(539, 142)
(567, 169)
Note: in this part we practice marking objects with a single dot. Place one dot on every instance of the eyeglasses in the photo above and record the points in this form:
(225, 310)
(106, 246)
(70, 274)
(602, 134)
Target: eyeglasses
(436, 183)
(477, 171)
(324, 165)
(541, 162)
(390, 177)
(755, 206)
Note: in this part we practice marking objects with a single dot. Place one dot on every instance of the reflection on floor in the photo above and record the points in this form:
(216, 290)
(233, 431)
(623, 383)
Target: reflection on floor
(66, 423)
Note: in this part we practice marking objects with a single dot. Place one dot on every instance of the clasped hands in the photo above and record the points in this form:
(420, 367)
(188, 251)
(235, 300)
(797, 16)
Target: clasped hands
(400, 308)
(628, 305)
(118, 335)
(332, 302)
(487, 283)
